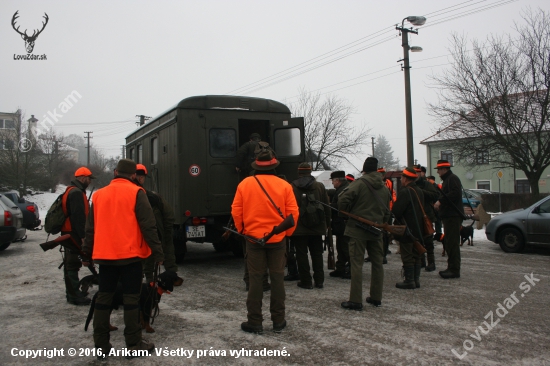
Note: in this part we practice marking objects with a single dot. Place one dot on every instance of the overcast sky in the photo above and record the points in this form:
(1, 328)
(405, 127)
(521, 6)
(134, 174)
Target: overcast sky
(141, 57)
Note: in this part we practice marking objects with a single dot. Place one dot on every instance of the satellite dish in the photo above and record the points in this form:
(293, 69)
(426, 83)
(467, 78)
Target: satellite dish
(469, 175)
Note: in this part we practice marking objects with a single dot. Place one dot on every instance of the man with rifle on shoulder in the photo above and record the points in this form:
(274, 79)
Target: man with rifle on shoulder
(261, 204)
(76, 207)
(368, 198)
(408, 209)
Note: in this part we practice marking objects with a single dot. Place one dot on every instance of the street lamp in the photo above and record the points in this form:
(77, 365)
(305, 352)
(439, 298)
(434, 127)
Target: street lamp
(416, 21)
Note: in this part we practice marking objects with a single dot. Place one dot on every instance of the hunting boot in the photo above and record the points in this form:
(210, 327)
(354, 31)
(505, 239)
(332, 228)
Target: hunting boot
(431, 263)
(408, 283)
(417, 269)
(72, 287)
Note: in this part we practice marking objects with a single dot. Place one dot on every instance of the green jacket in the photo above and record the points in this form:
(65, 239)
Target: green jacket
(302, 185)
(405, 207)
(358, 199)
(430, 196)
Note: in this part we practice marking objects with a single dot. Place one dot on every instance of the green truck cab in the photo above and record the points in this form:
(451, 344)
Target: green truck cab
(190, 153)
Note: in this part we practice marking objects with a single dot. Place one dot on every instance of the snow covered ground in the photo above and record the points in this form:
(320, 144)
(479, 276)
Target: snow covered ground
(421, 326)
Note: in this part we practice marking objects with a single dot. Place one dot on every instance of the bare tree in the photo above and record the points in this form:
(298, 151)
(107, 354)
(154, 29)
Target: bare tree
(384, 153)
(330, 135)
(494, 102)
(55, 157)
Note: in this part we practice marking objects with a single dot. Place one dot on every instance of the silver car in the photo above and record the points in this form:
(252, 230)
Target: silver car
(513, 229)
(11, 223)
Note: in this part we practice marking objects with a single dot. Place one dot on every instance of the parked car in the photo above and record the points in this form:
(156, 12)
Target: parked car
(482, 191)
(31, 216)
(473, 198)
(11, 223)
(513, 229)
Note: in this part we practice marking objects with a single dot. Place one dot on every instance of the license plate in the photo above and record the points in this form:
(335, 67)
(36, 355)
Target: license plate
(196, 231)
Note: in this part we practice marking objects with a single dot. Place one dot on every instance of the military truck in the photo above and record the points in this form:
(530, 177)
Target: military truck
(190, 153)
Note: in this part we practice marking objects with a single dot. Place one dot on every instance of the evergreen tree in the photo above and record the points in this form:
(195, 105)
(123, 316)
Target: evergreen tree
(384, 153)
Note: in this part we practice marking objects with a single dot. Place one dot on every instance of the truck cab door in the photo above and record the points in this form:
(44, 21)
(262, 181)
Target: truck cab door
(288, 143)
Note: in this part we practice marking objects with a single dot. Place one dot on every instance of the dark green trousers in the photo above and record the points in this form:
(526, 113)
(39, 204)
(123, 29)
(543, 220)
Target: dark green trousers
(130, 277)
(342, 249)
(375, 250)
(451, 243)
(409, 255)
(315, 245)
(258, 259)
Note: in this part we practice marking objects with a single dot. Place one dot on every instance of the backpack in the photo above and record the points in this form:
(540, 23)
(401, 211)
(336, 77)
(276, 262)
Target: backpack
(55, 218)
(263, 146)
(312, 213)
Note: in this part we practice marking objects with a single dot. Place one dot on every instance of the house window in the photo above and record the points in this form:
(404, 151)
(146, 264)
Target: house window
(6, 145)
(484, 184)
(223, 143)
(522, 186)
(447, 155)
(7, 124)
(154, 150)
(140, 154)
(482, 157)
(287, 142)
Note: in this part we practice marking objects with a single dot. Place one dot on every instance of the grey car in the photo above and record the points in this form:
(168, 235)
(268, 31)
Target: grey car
(11, 223)
(513, 229)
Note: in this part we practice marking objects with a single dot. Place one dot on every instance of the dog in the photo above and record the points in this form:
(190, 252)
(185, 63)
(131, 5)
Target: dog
(467, 234)
(148, 300)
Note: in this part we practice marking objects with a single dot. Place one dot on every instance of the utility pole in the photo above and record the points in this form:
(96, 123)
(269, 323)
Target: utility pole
(123, 152)
(417, 21)
(88, 147)
(142, 119)
(372, 139)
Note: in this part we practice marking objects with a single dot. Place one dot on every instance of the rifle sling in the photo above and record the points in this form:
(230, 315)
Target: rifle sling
(268, 196)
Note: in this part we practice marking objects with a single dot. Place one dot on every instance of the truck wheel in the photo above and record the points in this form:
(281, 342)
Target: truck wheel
(4, 246)
(511, 240)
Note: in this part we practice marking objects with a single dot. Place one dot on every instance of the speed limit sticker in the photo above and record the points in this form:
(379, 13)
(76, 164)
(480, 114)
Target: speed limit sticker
(194, 170)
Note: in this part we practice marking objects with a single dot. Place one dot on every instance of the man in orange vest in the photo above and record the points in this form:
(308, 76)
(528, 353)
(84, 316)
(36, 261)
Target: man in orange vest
(259, 204)
(75, 206)
(121, 232)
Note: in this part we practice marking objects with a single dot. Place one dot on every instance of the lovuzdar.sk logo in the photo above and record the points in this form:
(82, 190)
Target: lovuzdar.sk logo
(29, 40)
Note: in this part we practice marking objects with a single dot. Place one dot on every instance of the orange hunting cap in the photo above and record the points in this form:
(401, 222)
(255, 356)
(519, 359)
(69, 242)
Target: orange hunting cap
(409, 173)
(83, 172)
(141, 169)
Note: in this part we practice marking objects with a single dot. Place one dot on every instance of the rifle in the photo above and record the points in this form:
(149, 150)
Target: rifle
(416, 243)
(371, 226)
(227, 232)
(474, 217)
(330, 245)
(286, 224)
(67, 242)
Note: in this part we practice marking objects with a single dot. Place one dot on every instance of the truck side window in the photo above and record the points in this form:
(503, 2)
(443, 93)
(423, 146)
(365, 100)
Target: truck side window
(223, 143)
(287, 142)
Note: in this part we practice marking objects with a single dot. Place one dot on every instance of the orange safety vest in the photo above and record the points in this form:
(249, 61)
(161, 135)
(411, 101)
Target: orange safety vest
(67, 224)
(117, 234)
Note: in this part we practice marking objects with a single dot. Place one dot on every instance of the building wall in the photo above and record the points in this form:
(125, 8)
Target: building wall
(470, 177)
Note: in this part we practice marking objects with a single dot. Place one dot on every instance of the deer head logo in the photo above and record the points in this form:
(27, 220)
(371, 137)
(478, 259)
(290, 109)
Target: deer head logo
(29, 40)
